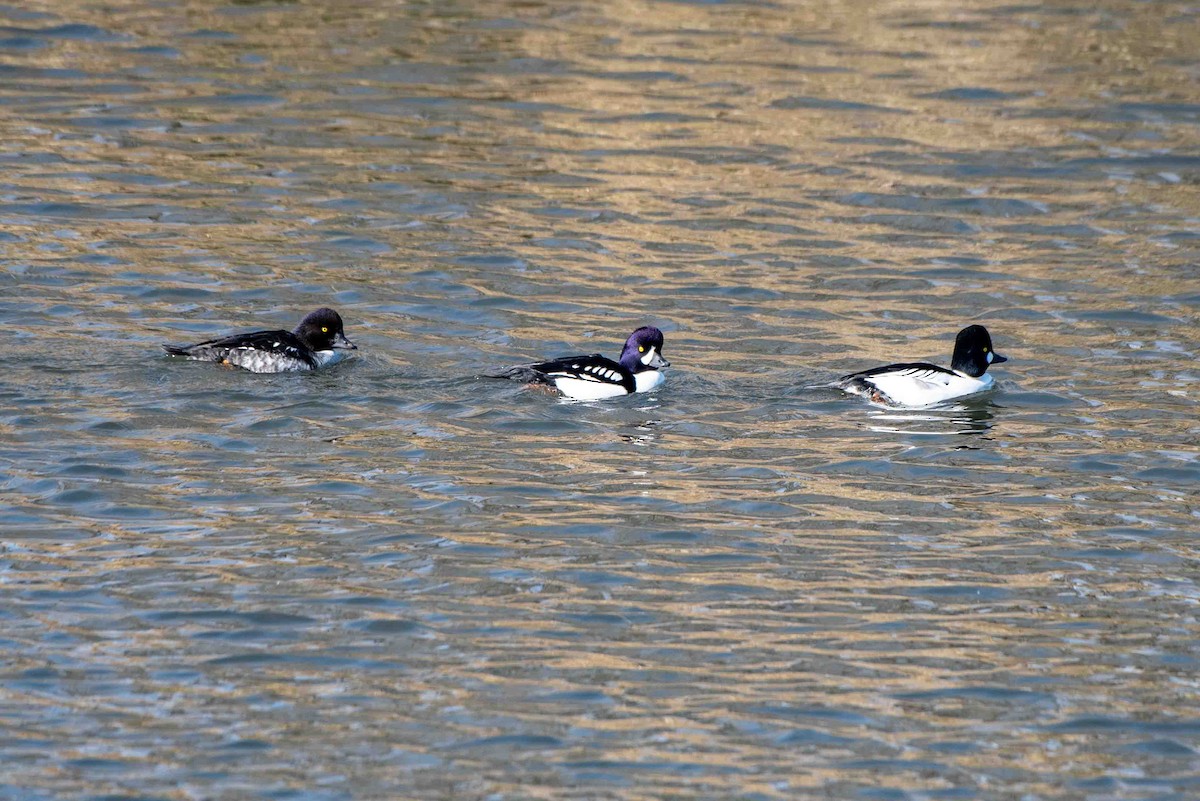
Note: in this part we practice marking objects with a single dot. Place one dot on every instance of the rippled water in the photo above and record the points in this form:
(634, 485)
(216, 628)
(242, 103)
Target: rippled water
(396, 579)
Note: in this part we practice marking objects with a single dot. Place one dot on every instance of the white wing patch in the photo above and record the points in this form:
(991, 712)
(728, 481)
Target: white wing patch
(932, 376)
(597, 373)
(584, 381)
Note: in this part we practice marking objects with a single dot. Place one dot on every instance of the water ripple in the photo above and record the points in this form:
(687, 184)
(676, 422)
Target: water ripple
(398, 578)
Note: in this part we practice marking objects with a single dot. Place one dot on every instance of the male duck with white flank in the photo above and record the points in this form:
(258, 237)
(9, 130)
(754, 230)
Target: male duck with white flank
(923, 384)
(594, 377)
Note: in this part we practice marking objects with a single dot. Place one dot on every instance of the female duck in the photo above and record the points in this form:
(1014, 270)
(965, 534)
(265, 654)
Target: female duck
(318, 341)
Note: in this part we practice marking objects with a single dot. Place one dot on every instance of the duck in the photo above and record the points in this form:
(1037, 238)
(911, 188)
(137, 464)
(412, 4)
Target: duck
(318, 341)
(595, 377)
(922, 384)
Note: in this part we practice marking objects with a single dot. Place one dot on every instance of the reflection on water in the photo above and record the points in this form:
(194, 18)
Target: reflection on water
(392, 579)
(973, 417)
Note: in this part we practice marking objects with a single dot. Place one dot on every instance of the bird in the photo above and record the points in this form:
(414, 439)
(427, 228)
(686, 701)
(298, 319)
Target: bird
(318, 341)
(924, 384)
(595, 377)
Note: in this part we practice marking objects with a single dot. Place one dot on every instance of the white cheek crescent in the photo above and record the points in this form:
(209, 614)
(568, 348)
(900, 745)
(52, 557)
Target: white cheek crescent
(649, 356)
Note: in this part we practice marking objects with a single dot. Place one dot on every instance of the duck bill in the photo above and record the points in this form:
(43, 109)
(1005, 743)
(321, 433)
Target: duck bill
(996, 358)
(658, 361)
(341, 343)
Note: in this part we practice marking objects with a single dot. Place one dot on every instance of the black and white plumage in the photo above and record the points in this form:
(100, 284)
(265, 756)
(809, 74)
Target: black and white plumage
(595, 377)
(318, 341)
(924, 384)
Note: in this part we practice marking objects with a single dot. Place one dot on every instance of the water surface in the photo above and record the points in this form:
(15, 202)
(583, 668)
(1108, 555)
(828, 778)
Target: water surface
(397, 579)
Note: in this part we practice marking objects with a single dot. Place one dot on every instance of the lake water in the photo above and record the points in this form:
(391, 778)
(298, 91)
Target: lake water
(397, 579)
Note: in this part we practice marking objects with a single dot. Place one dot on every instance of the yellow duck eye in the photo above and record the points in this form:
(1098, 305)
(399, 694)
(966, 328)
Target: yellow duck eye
(641, 348)
(324, 329)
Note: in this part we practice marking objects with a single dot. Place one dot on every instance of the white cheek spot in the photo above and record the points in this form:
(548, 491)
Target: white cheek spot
(649, 355)
(990, 355)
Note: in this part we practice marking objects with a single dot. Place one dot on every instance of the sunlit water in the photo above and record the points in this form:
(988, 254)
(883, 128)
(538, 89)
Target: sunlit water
(397, 579)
